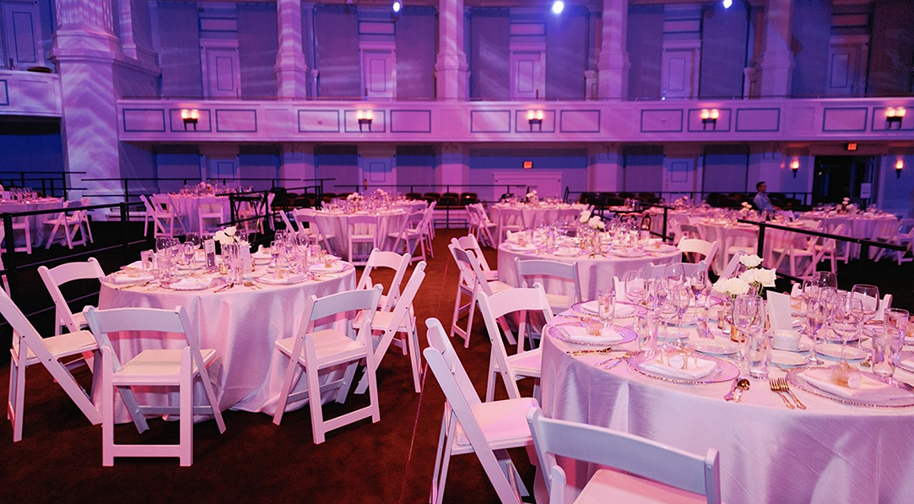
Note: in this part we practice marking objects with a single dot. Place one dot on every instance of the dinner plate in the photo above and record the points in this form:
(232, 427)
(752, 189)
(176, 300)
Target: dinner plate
(804, 346)
(622, 310)
(567, 252)
(323, 268)
(285, 280)
(795, 378)
(628, 253)
(833, 351)
(788, 359)
(725, 371)
(202, 284)
(715, 346)
(612, 338)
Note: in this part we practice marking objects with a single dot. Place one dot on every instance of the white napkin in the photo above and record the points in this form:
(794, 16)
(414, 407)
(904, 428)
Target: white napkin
(698, 368)
(320, 268)
(517, 246)
(568, 252)
(192, 283)
(286, 279)
(124, 278)
(779, 311)
(580, 334)
(622, 310)
(870, 390)
(260, 255)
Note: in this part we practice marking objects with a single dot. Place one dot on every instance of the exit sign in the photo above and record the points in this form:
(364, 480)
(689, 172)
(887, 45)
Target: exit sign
(528, 165)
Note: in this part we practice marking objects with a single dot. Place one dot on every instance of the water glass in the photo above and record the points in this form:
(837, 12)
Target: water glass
(648, 325)
(887, 343)
(163, 266)
(606, 300)
(758, 354)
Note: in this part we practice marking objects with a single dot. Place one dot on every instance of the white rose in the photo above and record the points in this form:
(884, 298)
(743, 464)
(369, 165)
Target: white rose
(219, 236)
(230, 231)
(766, 277)
(750, 261)
(585, 216)
(748, 276)
(737, 287)
(595, 222)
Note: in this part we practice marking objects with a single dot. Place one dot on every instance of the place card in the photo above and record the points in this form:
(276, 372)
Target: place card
(209, 248)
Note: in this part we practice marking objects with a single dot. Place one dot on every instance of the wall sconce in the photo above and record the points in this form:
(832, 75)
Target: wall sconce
(709, 116)
(795, 167)
(364, 117)
(190, 116)
(535, 117)
(894, 115)
(899, 165)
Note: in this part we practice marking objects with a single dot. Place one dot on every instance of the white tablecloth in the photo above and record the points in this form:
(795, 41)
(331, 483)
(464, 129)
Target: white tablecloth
(856, 226)
(593, 273)
(241, 324)
(335, 223)
(829, 453)
(540, 214)
(187, 206)
(37, 229)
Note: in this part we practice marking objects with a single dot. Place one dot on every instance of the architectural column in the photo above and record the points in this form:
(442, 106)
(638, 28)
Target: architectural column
(777, 60)
(291, 69)
(85, 49)
(451, 64)
(453, 168)
(136, 36)
(613, 63)
(297, 162)
(604, 168)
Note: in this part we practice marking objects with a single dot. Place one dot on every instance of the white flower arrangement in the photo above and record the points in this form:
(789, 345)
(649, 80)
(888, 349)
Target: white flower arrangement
(531, 194)
(354, 197)
(759, 277)
(584, 217)
(751, 261)
(226, 236)
(731, 286)
(845, 201)
(596, 222)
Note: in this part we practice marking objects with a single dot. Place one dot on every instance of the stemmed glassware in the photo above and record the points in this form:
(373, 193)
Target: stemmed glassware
(846, 321)
(748, 319)
(887, 345)
(869, 300)
(636, 286)
(816, 316)
(680, 297)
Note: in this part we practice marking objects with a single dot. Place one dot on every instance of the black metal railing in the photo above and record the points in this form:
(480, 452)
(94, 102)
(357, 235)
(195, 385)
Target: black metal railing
(49, 183)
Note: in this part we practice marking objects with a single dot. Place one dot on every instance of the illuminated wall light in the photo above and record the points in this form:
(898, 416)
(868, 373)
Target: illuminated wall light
(728, 4)
(190, 116)
(558, 6)
(709, 116)
(535, 117)
(899, 165)
(365, 117)
(396, 6)
(795, 167)
(893, 116)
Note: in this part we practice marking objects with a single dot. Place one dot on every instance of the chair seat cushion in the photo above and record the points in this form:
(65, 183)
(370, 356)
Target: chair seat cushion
(67, 344)
(504, 422)
(160, 362)
(330, 346)
(608, 485)
(527, 363)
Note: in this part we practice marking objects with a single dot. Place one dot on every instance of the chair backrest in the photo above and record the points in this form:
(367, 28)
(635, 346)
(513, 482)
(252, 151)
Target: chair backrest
(55, 277)
(698, 246)
(369, 220)
(146, 203)
(287, 223)
(404, 308)
(546, 268)
(470, 270)
(163, 202)
(733, 264)
(342, 302)
(623, 451)
(496, 306)
(461, 396)
(689, 231)
(104, 322)
(469, 242)
(511, 216)
(391, 260)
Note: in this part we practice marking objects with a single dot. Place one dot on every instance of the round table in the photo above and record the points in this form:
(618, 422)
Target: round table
(334, 223)
(830, 453)
(187, 207)
(594, 273)
(535, 215)
(240, 323)
(37, 230)
(861, 225)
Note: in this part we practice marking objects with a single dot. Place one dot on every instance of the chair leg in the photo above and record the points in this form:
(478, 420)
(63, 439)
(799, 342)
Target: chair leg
(314, 402)
(108, 413)
(286, 386)
(17, 396)
(414, 360)
(491, 378)
(456, 315)
(186, 411)
(371, 370)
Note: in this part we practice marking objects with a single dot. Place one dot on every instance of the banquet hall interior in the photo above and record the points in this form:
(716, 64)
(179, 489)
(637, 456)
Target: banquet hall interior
(457, 250)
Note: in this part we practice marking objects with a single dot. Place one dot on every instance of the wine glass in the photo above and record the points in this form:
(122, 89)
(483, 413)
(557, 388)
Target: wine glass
(887, 346)
(869, 299)
(659, 291)
(675, 273)
(701, 287)
(681, 298)
(636, 288)
(816, 315)
(846, 321)
(747, 317)
(825, 279)
(190, 250)
(162, 243)
(275, 249)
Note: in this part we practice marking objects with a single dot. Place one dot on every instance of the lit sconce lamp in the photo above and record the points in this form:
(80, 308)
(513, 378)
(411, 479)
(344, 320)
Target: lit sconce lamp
(899, 165)
(795, 167)
(190, 116)
(364, 117)
(709, 116)
(894, 115)
(535, 117)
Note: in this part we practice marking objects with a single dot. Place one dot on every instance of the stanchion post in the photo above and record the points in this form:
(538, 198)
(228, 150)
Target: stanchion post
(760, 248)
(10, 256)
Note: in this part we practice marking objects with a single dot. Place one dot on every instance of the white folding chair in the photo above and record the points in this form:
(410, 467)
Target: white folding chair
(510, 219)
(480, 225)
(153, 367)
(470, 282)
(30, 348)
(903, 235)
(284, 215)
(469, 425)
(705, 249)
(159, 217)
(564, 273)
(314, 231)
(731, 236)
(379, 259)
(469, 242)
(523, 363)
(362, 229)
(71, 225)
(401, 320)
(689, 231)
(732, 266)
(22, 224)
(55, 277)
(794, 253)
(165, 206)
(636, 469)
(414, 233)
(210, 214)
(321, 349)
(826, 250)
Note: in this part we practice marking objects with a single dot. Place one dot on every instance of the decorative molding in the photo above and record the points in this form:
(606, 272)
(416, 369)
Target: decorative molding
(754, 116)
(410, 117)
(584, 117)
(650, 116)
(493, 117)
(153, 118)
(844, 115)
(235, 116)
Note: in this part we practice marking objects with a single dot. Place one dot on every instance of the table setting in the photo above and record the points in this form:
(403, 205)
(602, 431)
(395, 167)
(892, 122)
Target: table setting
(240, 302)
(800, 412)
(391, 211)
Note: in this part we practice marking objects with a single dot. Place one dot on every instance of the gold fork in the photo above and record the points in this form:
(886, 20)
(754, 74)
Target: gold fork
(785, 387)
(772, 383)
(625, 357)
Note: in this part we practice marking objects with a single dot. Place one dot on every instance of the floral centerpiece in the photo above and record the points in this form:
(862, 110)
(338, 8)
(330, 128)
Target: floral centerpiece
(532, 197)
(596, 223)
(204, 187)
(227, 236)
(584, 216)
(745, 209)
(682, 202)
(756, 277)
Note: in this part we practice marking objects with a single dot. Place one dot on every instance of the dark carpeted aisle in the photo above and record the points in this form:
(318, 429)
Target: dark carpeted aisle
(59, 458)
